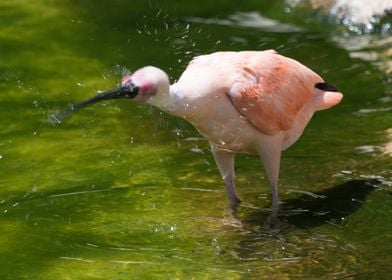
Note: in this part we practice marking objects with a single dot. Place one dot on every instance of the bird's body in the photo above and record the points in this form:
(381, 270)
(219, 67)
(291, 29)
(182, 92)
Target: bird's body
(235, 99)
(255, 102)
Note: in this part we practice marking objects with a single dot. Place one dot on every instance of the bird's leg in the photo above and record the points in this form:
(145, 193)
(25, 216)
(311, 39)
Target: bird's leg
(270, 152)
(225, 162)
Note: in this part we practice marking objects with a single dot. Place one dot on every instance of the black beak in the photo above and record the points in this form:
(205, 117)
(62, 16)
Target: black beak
(127, 90)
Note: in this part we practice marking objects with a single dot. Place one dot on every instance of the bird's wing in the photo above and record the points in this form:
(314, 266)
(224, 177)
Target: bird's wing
(271, 90)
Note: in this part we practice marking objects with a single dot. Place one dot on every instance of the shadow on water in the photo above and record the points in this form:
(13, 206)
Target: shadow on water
(329, 205)
(315, 209)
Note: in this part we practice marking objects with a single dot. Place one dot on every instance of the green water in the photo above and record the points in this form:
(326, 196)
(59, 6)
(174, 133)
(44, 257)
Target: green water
(122, 191)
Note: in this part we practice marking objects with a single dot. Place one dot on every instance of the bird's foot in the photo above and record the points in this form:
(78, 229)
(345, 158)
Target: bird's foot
(273, 223)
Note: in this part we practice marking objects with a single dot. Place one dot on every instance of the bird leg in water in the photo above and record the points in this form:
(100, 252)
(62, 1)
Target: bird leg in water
(225, 162)
(270, 153)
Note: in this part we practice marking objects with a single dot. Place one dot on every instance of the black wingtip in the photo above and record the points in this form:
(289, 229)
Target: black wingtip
(326, 87)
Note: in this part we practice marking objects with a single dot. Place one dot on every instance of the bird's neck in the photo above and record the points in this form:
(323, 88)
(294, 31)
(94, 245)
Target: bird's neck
(169, 100)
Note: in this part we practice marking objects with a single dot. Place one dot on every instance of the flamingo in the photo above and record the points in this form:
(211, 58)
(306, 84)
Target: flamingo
(252, 102)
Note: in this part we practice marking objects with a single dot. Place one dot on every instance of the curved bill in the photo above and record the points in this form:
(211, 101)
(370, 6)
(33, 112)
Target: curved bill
(125, 91)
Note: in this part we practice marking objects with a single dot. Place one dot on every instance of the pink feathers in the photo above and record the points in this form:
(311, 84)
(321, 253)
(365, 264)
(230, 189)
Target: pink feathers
(279, 90)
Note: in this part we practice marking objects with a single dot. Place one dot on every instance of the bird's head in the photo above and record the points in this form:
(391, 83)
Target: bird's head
(144, 85)
(147, 85)
(150, 84)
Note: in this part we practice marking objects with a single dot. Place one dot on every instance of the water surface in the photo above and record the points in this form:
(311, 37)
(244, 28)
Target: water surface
(123, 191)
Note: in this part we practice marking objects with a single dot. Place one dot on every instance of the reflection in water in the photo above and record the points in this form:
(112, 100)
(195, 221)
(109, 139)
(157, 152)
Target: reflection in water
(385, 149)
(362, 27)
(359, 16)
(388, 145)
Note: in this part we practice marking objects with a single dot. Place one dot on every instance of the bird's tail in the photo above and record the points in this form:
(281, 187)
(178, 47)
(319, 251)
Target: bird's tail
(325, 96)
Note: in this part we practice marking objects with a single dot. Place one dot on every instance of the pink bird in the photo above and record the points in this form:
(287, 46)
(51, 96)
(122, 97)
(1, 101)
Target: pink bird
(253, 102)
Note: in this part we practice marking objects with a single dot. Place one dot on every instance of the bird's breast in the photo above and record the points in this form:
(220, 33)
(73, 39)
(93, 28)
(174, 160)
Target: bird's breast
(221, 124)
